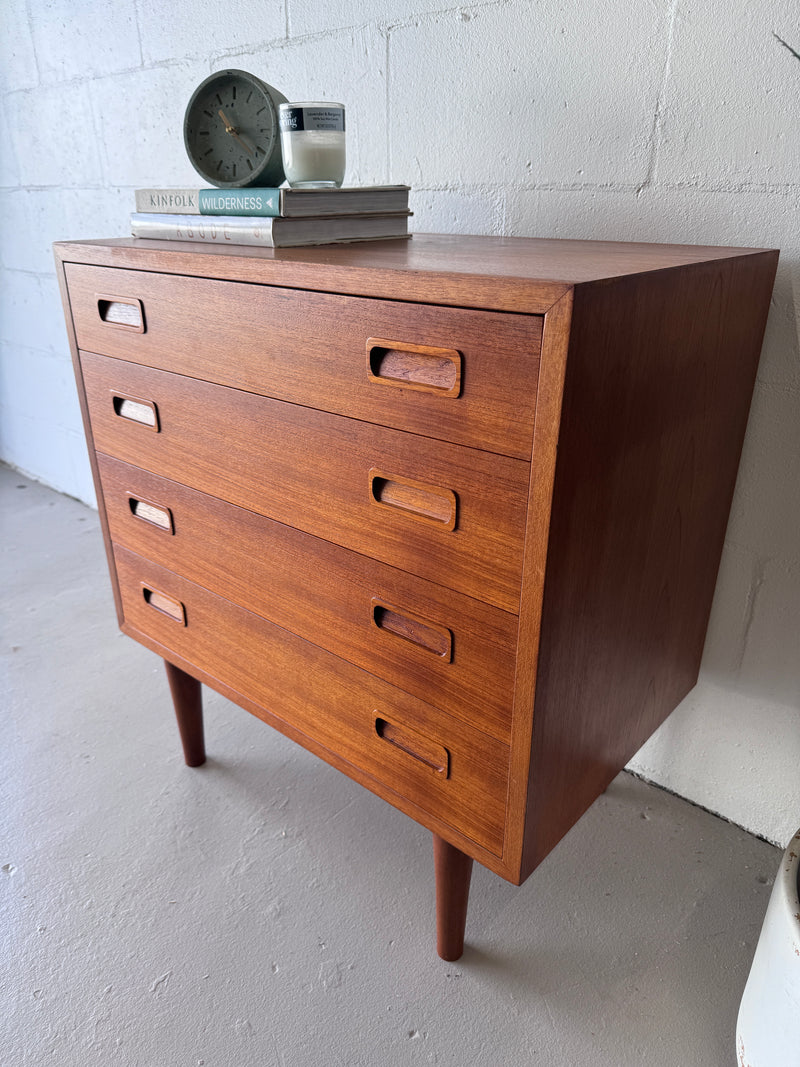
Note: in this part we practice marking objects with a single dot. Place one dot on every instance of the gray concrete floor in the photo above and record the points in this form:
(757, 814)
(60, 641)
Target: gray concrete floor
(263, 910)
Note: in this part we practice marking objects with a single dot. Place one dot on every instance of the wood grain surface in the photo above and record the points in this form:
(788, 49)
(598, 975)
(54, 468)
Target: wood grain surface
(311, 470)
(324, 593)
(329, 699)
(311, 349)
(499, 273)
(659, 376)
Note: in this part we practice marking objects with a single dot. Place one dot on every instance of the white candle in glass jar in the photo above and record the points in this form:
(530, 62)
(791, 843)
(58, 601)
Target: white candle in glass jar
(312, 142)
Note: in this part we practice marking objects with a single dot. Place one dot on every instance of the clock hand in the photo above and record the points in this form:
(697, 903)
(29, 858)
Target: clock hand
(231, 129)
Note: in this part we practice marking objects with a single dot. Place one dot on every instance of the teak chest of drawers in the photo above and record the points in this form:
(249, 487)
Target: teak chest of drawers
(448, 512)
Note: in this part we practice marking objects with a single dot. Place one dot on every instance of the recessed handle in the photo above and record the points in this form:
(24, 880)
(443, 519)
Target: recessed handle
(437, 640)
(429, 753)
(155, 514)
(167, 605)
(134, 409)
(421, 367)
(123, 312)
(429, 503)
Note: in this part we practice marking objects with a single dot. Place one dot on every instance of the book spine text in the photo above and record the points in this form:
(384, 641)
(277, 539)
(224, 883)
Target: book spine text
(264, 202)
(222, 231)
(175, 201)
(250, 202)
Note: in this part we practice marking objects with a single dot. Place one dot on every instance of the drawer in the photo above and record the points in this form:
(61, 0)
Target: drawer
(401, 747)
(460, 375)
(446, 648)
(453, 515)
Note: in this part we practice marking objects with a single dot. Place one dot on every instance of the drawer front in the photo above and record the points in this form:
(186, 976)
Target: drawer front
(458, 375)
(446, 648)
(408, 749)
(450, 514)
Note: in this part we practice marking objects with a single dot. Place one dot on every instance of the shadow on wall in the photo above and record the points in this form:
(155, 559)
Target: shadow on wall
(752, 643)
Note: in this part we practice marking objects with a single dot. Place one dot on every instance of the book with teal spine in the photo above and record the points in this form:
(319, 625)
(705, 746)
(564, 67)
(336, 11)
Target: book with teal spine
(278, 202)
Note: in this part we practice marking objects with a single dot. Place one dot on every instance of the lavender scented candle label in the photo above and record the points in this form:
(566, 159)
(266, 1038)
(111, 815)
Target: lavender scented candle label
(312, 117)
(313, 145)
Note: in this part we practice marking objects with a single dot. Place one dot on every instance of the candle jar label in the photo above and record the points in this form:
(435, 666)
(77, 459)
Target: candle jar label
(312, 118)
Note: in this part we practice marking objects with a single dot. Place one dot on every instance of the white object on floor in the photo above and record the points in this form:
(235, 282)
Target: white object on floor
(768, 1028)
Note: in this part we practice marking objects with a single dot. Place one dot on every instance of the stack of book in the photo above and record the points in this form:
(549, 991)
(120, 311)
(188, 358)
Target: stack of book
(276, 218)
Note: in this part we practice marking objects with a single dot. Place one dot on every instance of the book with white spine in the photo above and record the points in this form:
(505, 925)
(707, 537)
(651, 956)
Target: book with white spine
(268, 232)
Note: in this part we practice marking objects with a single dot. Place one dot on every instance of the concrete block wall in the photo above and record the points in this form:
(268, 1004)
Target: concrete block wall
(664, 120)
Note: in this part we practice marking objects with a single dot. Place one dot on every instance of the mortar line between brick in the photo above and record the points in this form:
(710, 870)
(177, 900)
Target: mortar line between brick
(137, 16)
(29, 23)
(387, 118)
(658, 115)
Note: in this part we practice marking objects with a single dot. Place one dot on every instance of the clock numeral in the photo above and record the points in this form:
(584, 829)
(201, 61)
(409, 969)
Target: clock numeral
(233, 93)
(250, 165)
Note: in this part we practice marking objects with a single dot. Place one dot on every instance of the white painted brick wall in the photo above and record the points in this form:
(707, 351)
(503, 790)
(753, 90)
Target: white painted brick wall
(665, 120)
(731, 101)
(17, 57)
(172, 31)
(138, 117)
(503, 96)
(84, 38)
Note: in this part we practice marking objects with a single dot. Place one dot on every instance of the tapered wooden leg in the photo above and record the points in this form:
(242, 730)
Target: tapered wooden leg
(453, 872)
(187, 696)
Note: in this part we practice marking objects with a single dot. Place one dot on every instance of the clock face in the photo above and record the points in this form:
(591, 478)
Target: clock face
(231, 130)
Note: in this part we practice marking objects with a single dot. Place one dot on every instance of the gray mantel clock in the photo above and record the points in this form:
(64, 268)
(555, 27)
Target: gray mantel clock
(230, 131)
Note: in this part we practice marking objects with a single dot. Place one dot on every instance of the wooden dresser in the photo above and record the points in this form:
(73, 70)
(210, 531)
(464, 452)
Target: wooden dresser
(448, 512)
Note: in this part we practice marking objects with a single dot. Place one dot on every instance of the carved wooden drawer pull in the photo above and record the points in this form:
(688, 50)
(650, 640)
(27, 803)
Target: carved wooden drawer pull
(421, 367)
(123, 312)
(426, 635)
(429, 503)
(155, 514)
(167, 605)
(431, 754)
(134, 409)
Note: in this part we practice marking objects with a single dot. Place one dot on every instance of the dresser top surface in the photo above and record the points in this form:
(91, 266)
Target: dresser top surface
(509, 273)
